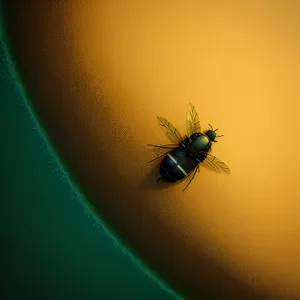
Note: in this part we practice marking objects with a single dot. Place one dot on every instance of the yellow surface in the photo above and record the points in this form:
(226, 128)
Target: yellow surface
(104, 70)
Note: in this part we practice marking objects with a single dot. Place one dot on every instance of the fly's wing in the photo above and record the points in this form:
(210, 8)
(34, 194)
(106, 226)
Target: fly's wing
(215, 164)
(171, 132)
(163, 150)
(193, 122)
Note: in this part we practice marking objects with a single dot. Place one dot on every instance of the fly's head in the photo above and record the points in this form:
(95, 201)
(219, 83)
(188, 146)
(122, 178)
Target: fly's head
(211, 134)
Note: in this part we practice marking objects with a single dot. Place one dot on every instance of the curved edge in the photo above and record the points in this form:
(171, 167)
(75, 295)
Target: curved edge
(77, 194)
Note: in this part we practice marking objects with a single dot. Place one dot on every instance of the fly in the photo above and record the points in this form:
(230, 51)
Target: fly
(182, 158)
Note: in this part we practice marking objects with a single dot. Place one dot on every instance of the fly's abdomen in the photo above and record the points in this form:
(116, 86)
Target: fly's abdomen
(176, 165)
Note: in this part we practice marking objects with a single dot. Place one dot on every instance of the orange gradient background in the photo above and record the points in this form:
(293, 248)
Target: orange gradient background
(98, 74)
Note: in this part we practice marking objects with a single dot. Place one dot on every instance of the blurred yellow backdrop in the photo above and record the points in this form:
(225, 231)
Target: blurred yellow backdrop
(103, 71)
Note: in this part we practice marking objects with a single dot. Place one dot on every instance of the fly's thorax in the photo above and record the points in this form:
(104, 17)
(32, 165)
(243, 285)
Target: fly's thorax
(199, 142)
(186, 143)
(201, 156)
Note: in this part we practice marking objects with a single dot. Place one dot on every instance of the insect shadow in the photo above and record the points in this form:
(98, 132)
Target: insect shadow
(150, 180)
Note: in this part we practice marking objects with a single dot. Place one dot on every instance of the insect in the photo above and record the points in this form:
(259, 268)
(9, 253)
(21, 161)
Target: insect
(182, 158)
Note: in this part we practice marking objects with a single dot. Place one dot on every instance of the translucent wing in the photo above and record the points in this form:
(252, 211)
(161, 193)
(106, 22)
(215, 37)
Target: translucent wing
(215, 164)
(171, 132)
(193, 122)
(162, 150)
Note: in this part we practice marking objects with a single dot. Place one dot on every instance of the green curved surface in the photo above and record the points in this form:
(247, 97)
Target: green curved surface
(53, 246)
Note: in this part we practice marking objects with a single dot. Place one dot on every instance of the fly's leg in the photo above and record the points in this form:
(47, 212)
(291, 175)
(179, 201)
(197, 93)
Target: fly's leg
(159, 153)
(199, 161)
(190, 180)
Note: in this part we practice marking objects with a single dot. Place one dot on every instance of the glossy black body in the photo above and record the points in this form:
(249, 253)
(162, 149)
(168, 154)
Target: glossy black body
(176, 165)
(181, 161)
